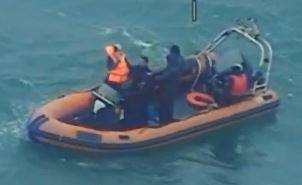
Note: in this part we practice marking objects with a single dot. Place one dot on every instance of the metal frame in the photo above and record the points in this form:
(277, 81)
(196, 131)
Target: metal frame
(251, 33)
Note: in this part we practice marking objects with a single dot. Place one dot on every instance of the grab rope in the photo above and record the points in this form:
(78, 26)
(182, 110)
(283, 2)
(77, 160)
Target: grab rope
(200, 68)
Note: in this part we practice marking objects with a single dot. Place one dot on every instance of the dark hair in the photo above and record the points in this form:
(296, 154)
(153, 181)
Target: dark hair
(175, 49)
(115, 48)
(146, 59)
(237, 69)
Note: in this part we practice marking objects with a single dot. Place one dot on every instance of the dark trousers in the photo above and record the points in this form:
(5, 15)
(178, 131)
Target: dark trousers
(136, 110)
(166, 106)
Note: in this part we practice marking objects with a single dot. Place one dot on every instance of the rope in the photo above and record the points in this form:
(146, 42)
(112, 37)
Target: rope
(199, 70)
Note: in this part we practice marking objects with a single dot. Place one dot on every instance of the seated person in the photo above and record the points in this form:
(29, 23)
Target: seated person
(232, 84)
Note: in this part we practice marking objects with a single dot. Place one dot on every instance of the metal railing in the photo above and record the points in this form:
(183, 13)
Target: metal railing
(251, 33)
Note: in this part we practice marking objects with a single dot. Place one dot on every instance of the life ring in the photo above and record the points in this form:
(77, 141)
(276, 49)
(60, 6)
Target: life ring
(199, 101)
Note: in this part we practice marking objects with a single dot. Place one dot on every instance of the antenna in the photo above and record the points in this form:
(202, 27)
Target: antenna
(194, 10)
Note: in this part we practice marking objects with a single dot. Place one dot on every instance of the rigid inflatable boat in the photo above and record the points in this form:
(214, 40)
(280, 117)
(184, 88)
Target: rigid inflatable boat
(66, 121)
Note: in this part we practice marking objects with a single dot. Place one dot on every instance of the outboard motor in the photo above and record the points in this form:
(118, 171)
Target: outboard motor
(107, 105)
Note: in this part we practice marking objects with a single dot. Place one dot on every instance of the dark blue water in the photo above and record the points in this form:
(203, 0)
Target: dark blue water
(50, 47)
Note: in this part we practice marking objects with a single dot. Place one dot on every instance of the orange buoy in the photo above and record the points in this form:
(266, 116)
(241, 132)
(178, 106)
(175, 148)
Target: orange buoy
(199, 101)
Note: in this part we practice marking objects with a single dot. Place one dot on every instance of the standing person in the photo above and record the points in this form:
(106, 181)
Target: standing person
(141, 73)
(118, 67)
(138, 102)
(169, 80)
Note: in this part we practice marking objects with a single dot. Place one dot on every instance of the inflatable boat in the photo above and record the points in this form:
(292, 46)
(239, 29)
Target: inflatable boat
(69, 121)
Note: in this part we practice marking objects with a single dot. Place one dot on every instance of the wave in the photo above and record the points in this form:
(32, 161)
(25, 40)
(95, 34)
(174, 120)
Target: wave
(136, 41)
(104, 31)
(26, 82)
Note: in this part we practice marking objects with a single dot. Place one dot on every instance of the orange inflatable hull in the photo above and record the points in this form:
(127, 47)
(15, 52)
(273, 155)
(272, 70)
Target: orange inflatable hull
(45, 125)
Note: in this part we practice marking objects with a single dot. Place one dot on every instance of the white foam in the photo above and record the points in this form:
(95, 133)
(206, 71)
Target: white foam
(11, 128)
(83, 164)
(63, 160)
(290, 95)
(142, 44)
(136, 41)
(61, 14)
(104, 30)
(26, 82)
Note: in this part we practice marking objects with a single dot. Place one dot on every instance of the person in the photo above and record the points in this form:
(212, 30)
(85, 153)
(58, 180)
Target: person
(168, 82)
(234, 83)
(118, 67)
(136, 111)
(141, 73)
(238, 81)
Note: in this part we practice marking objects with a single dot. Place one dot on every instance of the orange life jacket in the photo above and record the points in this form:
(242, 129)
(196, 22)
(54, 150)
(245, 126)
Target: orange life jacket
(239, 85)
(120, 72)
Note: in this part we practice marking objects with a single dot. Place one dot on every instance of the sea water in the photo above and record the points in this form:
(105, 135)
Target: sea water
(51, 47)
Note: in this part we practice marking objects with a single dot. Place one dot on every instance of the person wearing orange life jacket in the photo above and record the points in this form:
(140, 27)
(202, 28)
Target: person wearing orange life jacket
(118, 67)
(234, 82)
(237, 83)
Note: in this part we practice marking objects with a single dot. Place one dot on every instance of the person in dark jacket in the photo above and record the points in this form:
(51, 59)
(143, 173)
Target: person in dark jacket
(168, 82)
(141, 73)
(136, 111)
(143, 82)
